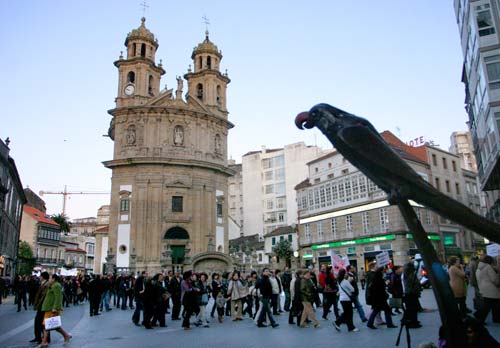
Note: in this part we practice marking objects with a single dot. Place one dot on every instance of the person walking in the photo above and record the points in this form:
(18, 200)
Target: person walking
(203, 300)
(95, 293)
(307, 290)
(488, 281)
(188, 298)
(353, 279)
(458, 284)
(395, 288)
(297, 307)
(362, 278)
(139, 290)
(330, 293)
(379, 300)
(411, 293)
(286, 280)
(236, 291)
(21, 291)
(276, 292)
(52, 306)
(215, 288)
(346, 291)
(266, 291)
(37, 306)
(174, 288)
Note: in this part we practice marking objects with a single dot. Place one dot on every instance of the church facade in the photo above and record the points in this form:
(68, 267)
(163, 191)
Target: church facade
(168, 206)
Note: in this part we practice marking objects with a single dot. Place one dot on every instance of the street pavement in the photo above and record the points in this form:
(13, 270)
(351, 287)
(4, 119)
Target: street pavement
(115, 329)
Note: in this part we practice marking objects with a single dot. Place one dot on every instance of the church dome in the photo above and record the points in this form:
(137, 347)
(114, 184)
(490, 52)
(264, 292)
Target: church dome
(141, 33)
(206, 46)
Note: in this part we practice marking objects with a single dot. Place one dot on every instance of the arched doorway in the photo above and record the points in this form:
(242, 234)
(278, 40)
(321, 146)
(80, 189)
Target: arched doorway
(177, 235)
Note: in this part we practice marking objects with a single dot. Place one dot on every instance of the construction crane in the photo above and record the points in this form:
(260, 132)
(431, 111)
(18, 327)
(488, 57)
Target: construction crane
(65, 194)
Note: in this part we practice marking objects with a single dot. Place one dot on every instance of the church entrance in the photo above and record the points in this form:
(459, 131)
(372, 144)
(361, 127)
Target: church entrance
(176, 240)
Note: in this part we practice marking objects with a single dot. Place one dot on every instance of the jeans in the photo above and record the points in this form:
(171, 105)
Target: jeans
(265, 310)
(105, 300)
(287, 300)
(329, 299)
(139, 306)
(359, 308)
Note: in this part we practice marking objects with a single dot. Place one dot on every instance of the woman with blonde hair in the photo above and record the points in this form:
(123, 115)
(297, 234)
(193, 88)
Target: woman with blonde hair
(52, 306)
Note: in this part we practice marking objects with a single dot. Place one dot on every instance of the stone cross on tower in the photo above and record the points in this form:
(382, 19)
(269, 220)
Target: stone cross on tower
(207, 23)
(144, 6)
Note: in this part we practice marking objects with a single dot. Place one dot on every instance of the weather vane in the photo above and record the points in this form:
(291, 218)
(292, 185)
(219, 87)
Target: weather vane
(206, 21)
(144, 6)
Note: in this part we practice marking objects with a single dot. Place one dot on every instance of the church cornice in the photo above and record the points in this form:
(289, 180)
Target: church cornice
(204, 72)
(167, 111)
(135, 60)
(168, 161)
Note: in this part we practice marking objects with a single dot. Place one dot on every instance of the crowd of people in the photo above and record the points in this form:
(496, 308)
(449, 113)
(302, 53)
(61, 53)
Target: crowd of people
(186, 297)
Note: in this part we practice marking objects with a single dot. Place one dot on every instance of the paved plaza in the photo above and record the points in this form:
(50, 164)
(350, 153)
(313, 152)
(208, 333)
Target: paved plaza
(115, 329)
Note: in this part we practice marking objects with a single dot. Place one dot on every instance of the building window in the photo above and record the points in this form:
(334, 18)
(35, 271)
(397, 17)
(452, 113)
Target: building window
(124, 205)
(437, 184)
(282, 238)
(366, 222)
(268, 175)
(280, 188)
(219, 210)
(484, 20)
(209, 62)
(447, 183)
(131, 77)
(260, 257)
(348, 224)
(269, 204)
(330, 176)
(454, 165)
(457, 188)
(320, 231)
(281, 217)
(316, 169)
(199, 91)
(434, 160)
(279, 174)
(280, 203)
(445, 164)
(384, 220)
(273, 241)
(143, 50)
(290, 238)
(345, 171)
(333, 224)
(307, 232)
(493, 71)
(427, 217)
(269, 189)
(177, 204)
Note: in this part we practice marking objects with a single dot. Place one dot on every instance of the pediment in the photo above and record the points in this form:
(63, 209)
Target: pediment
(197, 105)
(163, 99)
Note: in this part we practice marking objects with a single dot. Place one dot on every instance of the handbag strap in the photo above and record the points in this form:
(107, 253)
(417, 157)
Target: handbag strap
(345, 291)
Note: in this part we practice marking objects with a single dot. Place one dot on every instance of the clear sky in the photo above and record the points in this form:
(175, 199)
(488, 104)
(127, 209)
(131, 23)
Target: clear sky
(397, 63)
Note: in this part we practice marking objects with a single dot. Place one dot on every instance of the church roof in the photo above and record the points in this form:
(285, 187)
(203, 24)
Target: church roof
(206, 46)
(141, 33)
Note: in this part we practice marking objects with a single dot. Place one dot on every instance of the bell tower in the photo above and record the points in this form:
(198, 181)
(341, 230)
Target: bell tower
(138, 74)
(206, 83)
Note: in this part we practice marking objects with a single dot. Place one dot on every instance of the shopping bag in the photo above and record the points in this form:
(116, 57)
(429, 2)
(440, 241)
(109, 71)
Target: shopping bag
(53, 323)
(395, 303)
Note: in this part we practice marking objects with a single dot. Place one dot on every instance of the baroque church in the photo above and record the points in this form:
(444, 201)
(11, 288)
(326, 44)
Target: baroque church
(168, 205)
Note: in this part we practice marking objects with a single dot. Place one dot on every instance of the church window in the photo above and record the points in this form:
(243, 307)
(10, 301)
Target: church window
(143, 50)
(124, 205)
(199, 91)
(219, 209)
(131, 77)
(209, 62)
(134, 53)
(177, 204)
(200, 63)
(150, 85)
(218, 95)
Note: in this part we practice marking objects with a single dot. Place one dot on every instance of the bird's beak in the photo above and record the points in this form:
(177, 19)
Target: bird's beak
(302, 120)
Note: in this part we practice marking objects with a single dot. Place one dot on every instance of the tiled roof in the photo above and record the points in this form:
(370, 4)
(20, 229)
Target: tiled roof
(303, 184)
(103, 229)
(330, 154)
(418, 154)
(281, 230)
(39, 216)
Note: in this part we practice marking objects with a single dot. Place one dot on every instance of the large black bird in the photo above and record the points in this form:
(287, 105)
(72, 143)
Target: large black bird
(360, 143)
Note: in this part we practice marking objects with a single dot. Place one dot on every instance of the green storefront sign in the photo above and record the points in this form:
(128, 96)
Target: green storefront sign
(355, 242)
(429, 236)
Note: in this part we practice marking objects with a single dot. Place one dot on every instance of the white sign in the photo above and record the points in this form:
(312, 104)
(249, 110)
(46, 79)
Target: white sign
(338, 262)
(493, 250)
(69, 272)
(383, 259)
(418, 141)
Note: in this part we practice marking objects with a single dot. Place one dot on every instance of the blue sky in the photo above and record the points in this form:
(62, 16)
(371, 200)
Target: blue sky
(397, 63)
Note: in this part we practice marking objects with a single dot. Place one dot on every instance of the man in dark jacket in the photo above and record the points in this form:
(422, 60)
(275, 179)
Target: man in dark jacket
(286, 280)
(139, 290)
(175, 290)
(37, 305)
(266, 291)
(95, 292)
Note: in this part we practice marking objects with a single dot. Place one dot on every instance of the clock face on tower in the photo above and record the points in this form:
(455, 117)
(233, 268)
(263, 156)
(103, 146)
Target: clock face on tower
(129, 89)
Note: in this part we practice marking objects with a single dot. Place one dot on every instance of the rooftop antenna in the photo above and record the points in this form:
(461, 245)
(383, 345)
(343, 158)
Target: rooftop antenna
(398, 130)
(144, 6)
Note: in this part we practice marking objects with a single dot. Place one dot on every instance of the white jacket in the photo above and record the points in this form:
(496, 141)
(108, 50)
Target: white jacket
(345, 290)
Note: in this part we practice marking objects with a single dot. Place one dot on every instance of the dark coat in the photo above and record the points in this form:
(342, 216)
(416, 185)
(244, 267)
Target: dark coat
(378, 294)
(264, 286)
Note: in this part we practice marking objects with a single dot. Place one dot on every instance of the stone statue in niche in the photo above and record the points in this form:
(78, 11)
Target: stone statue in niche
(178, 136)
(218, 146)
(130, 136)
